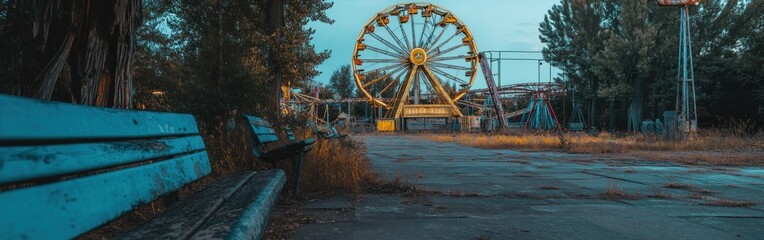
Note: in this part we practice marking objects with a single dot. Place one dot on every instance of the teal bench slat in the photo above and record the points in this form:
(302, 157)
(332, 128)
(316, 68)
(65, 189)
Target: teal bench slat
(66, 169)
(293, 149)
(25, 119)
(67, 209)
(236, 207)
(21, 163)
(261, 130)
(290, 134)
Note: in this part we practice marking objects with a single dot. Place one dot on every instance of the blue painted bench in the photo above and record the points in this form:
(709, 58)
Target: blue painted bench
(264, 136)
(66, 169)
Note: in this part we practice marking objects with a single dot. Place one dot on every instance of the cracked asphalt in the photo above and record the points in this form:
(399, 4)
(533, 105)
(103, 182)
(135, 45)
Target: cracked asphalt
(506, 194)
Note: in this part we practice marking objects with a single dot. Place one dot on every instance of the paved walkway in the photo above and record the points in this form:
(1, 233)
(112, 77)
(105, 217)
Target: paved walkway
(504, 194)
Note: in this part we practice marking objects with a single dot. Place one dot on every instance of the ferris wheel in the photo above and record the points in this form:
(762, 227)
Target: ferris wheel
(419, 55)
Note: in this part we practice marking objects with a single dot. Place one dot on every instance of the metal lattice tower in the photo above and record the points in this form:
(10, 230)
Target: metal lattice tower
(686, 106)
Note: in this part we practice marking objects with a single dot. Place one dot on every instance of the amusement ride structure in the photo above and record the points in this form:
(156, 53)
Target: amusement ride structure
(424, 60)
(686, 106)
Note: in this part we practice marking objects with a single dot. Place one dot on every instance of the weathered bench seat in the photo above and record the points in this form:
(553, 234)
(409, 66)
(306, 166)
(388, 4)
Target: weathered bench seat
(237, 207)
(66, 169)
(263, 136)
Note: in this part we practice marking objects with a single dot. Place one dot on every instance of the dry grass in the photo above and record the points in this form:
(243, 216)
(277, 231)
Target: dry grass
(336, 165)
(602, 143)
(720, 158)
(540, 142)
(688, 187)
(613, 192)
(708, 147)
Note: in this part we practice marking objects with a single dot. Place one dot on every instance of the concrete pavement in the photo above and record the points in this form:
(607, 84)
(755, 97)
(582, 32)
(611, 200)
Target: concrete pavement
(505, 194)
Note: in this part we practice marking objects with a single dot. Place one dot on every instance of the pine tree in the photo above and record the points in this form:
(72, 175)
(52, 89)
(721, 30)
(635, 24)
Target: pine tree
(342, 82)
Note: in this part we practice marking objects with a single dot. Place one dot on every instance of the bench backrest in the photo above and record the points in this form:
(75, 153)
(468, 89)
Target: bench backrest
(262, 133)
(66, 169)
(290, 134)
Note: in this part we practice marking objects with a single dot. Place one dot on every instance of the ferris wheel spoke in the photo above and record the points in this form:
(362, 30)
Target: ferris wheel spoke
(428, 86)
(450, 58)
(397, 40)
(403, 91)
(424, 29)
(444, 42)
(382, 51)
(413, 32)
(382, 69)
(449, 66)
(447, 75)
(448, 50)
(405, 38)
(383, 77)
(392, 83)
(429, 44)
(383, 60)
(437, 86)
(386, 43)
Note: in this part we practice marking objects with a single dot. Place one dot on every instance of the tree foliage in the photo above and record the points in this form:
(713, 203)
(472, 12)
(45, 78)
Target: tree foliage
(342, 82)
(211, 57)
(625, 52)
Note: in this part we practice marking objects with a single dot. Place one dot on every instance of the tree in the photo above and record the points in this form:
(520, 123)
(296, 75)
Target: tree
(624, 62)
(342, 82)
(621, 50)
(573, 33)
(195, 77)
(70, 50)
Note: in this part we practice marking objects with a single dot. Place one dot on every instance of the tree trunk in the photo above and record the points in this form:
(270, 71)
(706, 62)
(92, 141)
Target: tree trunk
(593, 113)
(275, 20)
(611, 115)
(219, 82)
(593, 107)
(87, 45)
(636, 106)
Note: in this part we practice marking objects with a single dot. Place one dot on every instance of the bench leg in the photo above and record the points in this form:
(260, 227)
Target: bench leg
(297, 169)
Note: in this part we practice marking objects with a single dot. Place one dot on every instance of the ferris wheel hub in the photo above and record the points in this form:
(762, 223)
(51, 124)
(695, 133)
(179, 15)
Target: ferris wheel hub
(418, 56)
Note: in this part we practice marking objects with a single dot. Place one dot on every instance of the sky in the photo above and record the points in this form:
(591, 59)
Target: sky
(495, 24)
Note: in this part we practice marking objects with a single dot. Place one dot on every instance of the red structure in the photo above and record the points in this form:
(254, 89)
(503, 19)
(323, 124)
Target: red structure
(678, 3)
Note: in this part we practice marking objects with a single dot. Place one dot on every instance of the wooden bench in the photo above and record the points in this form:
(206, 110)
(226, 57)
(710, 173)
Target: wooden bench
(66, 169)
(264, 136)
(290, 136)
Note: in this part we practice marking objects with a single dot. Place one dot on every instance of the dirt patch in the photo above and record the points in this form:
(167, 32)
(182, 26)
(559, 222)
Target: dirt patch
(285, 219)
